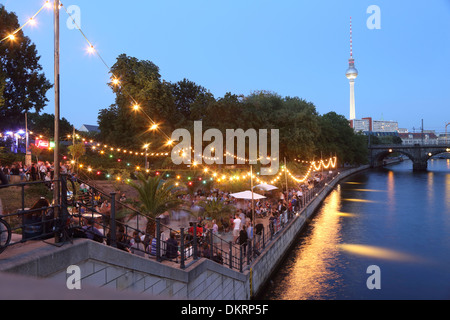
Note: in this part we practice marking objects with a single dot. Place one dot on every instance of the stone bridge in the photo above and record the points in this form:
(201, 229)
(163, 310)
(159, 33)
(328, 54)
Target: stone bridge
(419, 154)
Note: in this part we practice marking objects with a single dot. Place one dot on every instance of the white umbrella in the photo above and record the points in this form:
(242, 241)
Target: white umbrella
(266, 187)
(247, 195)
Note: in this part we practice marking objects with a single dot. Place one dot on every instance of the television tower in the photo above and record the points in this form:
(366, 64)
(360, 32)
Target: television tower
(351, 75)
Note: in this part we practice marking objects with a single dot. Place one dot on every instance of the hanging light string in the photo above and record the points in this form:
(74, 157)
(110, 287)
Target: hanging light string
(215, 176)
(115, 80)
(12, 35)
(331, 164)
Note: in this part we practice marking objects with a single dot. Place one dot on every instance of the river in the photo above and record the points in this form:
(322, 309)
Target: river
(392, 218)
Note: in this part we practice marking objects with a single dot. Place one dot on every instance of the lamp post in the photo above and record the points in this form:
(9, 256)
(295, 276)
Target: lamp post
(56, 177)
(251, 186)
(146, 151)
(27, 143)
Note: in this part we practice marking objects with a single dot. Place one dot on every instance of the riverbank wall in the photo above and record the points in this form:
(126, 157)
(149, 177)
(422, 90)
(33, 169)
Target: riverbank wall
(113, 270)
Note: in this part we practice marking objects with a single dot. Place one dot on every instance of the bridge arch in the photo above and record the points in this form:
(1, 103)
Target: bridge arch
(378, 157)
(418, 154)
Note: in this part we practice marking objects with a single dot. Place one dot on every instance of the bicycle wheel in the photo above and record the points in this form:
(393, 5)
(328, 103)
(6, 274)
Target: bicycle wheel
(5, 235)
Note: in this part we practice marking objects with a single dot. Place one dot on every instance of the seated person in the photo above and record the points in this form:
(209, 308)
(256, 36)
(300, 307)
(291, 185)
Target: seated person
(92, 232)
(172, 247)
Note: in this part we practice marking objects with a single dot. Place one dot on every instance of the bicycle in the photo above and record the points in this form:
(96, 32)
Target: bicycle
(5, 235)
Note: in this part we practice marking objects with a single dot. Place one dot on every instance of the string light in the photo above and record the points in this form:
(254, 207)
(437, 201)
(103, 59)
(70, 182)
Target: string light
(32, 21)
(135, 104)
(91, 49)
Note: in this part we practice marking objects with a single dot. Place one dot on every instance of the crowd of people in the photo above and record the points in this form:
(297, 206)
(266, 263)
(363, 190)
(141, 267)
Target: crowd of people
(273, 212)
(38, 171)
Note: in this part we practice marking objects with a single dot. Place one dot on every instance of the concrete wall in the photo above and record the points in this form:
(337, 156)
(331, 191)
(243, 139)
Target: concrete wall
(105, 267)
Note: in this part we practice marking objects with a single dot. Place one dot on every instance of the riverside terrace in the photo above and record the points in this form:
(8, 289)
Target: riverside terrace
(40, 259)
(45, 220)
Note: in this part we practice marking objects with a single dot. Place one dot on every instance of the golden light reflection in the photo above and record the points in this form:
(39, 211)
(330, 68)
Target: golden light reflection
(391, 190)
(359, 200)
(447, 192)
(430, 188)
(346, 214)
(351, 182)
(378, 252)
(309, 275)
(368, 190)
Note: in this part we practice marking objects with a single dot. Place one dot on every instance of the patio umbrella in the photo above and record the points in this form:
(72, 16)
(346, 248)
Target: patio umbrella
(247, 195)
(266, 187)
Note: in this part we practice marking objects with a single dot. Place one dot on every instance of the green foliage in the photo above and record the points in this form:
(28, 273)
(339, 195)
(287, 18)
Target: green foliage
(22, 85)
(338, 138)
(216, 209)
(77, 151)
(156, 195)
(303, 132)
(45, 124)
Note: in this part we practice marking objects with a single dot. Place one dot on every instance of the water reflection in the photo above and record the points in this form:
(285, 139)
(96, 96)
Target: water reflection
(391, 190)
(405, 230)
(378, 252)
(309, 273)
(346, 214)
(359, 200)
(447, 191)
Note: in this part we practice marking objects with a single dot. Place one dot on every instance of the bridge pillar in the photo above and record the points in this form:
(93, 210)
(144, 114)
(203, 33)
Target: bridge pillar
(420, 161)
(420, 165)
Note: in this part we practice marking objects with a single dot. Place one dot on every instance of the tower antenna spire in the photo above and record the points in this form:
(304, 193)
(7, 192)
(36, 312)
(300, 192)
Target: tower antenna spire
(351, 75)
(351, 39)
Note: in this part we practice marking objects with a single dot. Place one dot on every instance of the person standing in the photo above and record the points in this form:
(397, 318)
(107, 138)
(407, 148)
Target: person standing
(33, 172)
(243, 237)
(237, 227)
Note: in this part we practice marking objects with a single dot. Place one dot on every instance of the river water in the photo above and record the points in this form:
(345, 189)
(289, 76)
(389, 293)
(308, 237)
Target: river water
(392, 218)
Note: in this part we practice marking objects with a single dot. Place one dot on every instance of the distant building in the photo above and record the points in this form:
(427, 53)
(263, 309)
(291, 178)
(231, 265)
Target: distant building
(89, 128)
(419, 138)
(369, 125)
(385, 126)
(364, 124)
(444, 138)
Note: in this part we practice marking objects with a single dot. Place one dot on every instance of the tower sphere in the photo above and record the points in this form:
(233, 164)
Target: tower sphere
(351, 73)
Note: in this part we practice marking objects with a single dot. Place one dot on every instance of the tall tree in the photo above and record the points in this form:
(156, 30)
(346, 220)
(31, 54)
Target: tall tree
(24, 86)
(156, 196)
(338, 138)
(45, 124)
(188, 96)
(140, 83)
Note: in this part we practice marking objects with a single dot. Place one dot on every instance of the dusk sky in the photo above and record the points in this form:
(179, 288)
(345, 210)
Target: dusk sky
(290, 47)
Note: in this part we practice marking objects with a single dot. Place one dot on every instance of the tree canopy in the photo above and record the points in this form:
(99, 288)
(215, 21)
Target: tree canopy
(303, 132)
(23, 86)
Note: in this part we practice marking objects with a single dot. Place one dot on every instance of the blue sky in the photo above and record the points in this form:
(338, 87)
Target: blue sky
(291, 47)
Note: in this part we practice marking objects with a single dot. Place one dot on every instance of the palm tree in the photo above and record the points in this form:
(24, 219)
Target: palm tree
(156, 196)
(216, 209)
